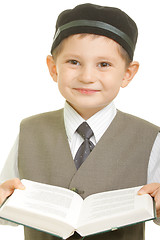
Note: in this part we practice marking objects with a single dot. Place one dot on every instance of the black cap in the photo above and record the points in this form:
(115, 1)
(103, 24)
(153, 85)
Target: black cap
(94, 19)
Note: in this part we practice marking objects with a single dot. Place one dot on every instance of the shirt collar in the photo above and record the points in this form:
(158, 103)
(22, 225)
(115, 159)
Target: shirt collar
(72, 120)
(99, 122)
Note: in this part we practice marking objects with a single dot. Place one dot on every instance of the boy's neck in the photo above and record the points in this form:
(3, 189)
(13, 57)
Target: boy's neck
(86, 113)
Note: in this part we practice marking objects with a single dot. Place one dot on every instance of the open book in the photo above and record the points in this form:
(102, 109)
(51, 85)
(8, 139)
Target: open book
(61, 212)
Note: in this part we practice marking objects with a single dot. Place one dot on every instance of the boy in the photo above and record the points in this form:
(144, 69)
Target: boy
(92, 55)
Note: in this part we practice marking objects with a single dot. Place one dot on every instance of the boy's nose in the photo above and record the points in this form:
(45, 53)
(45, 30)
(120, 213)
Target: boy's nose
(87, 75)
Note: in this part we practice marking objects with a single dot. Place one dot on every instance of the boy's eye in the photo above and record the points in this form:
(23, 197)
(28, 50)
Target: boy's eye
(103, 64)
(74, 62)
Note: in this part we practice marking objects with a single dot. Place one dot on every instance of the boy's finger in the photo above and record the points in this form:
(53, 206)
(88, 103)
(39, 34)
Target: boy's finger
(8, 187)
(157, 199)
(16, 184)
(12, 184)
(149, 188)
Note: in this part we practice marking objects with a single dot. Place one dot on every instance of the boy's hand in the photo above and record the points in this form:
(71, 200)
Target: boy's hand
(154, 190)
(8, 187)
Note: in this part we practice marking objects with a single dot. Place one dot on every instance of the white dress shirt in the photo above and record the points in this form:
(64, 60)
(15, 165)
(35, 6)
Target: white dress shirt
(99, 123)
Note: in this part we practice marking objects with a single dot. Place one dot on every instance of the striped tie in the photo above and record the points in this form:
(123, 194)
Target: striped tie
(86, 147)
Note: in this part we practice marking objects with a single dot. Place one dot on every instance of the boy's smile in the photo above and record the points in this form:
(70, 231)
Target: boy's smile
(89, 71)
(86, 91)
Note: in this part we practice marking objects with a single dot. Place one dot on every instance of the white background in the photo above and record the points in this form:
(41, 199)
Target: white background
(26, 33)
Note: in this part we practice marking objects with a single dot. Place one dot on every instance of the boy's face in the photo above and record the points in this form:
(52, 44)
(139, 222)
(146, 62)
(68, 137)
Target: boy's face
(89, 72)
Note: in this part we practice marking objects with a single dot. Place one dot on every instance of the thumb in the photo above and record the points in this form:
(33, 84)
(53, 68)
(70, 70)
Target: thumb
(12, 184)
(8, 187)
(149, 189)
(16, 184)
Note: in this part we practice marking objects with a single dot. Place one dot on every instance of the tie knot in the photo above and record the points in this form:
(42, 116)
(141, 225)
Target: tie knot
(85, 131)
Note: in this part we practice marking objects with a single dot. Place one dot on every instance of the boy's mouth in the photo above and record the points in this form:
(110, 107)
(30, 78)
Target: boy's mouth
(86, 90)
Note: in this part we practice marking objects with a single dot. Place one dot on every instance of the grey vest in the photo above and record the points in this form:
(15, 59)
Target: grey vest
(119, 160)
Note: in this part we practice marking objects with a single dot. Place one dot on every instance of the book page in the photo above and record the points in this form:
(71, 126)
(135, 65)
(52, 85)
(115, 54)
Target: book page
(106, 204)
(47, 200)
(109, 210)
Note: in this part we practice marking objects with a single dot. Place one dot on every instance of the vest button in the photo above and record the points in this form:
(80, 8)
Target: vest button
(76, 190)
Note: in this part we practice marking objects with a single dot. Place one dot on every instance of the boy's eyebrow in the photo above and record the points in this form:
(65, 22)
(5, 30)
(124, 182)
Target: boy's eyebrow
(102, 57)
(106, 58)
(71, 55)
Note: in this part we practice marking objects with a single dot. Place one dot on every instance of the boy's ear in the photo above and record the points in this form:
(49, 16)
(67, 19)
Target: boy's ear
(52, 67)
(130, 73)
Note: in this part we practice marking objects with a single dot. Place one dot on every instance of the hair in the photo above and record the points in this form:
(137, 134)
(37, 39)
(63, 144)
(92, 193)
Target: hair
(123, 53)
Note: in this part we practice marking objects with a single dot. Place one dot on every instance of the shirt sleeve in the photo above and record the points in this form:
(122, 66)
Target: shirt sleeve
(10, 170)
(154, 162)
(154, 166)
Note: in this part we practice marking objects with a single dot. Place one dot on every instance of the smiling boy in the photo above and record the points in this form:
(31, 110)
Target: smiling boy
(89, 71)
(92, 58)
